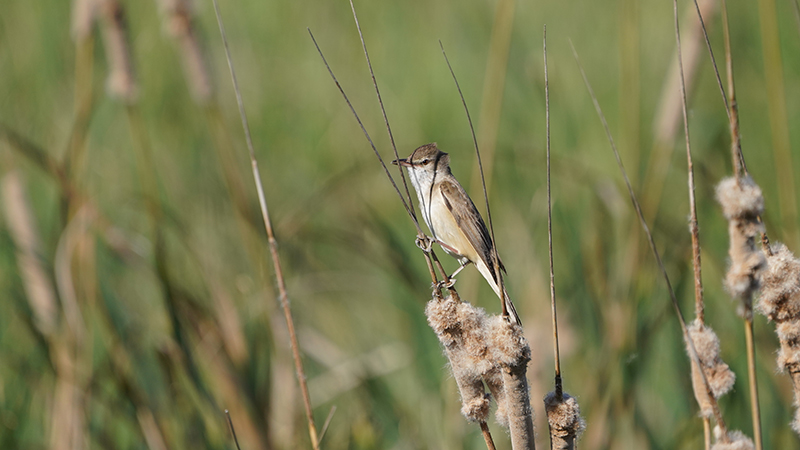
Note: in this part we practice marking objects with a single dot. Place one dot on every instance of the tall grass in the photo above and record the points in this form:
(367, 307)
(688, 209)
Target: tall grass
(149, 337)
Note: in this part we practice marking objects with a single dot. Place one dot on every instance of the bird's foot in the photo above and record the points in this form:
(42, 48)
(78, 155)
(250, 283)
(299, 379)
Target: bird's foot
(424, 243)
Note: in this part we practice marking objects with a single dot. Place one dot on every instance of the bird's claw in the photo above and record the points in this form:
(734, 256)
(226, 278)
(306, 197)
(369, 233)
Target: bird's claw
(424, 243)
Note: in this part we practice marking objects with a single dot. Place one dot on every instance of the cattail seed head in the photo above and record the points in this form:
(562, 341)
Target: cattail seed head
(736, 440)
(743, 204)
(494, 381)
(719, 376)
(564, 417)
(507, 343)
(740, 199)
(780, 286)
(474, 401)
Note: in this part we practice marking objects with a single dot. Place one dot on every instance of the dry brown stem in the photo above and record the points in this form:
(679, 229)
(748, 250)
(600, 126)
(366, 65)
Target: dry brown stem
(273, 244)
(564, 418)
(638, 209)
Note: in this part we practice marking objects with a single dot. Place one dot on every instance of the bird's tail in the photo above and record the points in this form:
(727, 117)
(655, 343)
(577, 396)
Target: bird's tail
(490, 278)
(512, 312)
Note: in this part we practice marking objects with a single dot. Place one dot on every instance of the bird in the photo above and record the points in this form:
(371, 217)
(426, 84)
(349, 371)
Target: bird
(452, 217)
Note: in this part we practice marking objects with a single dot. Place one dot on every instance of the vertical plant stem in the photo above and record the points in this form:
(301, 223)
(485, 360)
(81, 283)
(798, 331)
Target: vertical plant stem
(740, 169)
(693, 227)
(273, 245)
(496, 258)
(429, 258)
(755, 409)
(737, 160)
(554, 315)
(707, 433)
(518, 406)
(487, 436)
(638, 209)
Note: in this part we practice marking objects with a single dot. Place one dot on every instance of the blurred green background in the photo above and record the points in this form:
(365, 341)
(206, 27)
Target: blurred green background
(156, 307)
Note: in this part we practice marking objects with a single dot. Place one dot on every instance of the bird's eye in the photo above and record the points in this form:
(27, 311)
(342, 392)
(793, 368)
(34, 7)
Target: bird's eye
(425, 161)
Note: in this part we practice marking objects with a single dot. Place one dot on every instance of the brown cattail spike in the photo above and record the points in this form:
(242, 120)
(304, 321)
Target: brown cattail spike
(564, 418)
(719, 375)
(460, 327)
(780, 302)
(743, 204)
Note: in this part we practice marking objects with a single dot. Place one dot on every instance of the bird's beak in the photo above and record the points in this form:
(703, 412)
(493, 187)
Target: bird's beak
(401, 162)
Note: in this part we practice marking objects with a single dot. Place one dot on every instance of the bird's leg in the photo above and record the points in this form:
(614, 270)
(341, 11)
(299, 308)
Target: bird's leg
(424, 243)
(452, 279)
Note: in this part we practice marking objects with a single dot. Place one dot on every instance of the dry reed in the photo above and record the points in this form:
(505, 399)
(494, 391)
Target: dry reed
(563, 412)
(711, 377)
(724, 436)
(273, 244)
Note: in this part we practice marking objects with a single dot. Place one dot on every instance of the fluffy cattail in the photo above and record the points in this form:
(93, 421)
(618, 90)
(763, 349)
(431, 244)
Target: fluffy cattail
(564, 418)
(742, 204)
(494, 381)
(780, 302)
(719, 375)
(510, 351)
(460, 327)
(733, 440)
(491, 350)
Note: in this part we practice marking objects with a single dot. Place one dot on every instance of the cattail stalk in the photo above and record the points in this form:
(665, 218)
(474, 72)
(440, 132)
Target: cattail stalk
(563, 412)
(703, 339)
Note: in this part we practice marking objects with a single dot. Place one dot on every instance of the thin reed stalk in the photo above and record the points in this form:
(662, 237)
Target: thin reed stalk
(496, 258)
(273, 245)
(408, 201)
(554, 315)
(689, 342)
(563, 412)
(721, 378)
(518, 411)
(430, 256)
(740, 170)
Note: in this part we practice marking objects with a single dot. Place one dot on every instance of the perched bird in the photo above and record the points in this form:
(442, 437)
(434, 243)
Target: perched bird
(452, 217)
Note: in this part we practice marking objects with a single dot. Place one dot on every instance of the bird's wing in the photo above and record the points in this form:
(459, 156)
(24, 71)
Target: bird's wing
(469, 220)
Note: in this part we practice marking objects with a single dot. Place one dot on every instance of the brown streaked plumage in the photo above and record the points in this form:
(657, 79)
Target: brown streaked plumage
(452, 217)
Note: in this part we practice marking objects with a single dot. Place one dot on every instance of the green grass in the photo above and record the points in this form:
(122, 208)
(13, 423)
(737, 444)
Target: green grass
(357, 282)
